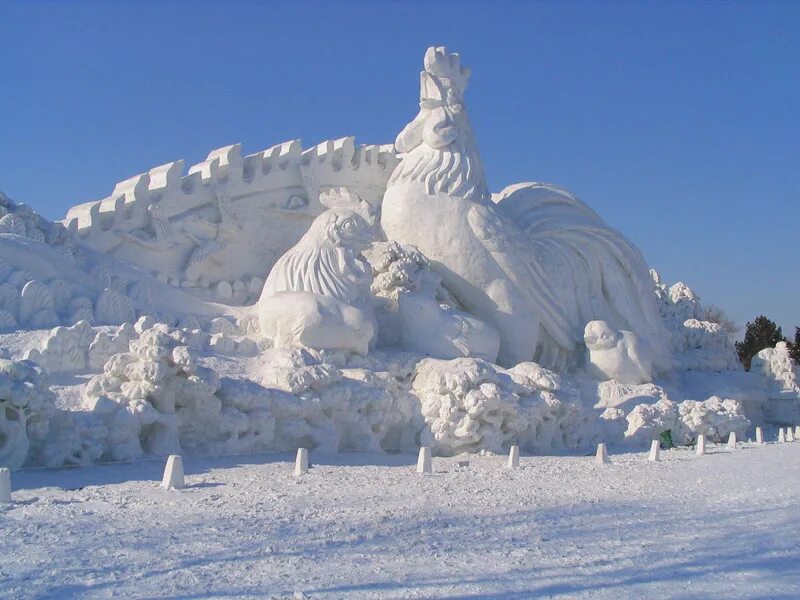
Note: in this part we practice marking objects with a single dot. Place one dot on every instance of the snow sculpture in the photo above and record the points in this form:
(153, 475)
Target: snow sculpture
(777, 364)
(441, 332)
(617, 355)
(158, 344)
(216, 231)
(416, 313)
(317, 294)
(697, 345)
(65, 348)
(47, 279)
(26, 405)
(783, 377)
(537, 283)
(716, 418)
(148, 394)
(469, 404)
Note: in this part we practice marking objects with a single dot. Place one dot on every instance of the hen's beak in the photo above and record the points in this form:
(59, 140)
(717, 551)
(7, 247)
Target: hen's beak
(364, 238)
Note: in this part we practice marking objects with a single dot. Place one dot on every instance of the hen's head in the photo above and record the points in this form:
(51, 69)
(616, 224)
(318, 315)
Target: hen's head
(342, 228)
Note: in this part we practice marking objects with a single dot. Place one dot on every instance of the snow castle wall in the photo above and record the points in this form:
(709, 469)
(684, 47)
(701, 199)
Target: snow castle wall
(217, 230)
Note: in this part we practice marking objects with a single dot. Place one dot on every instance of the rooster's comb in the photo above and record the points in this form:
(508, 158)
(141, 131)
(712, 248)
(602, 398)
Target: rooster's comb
(443, 65)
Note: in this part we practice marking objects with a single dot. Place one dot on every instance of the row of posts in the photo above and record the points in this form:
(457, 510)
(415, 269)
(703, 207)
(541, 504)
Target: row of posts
(174, 477)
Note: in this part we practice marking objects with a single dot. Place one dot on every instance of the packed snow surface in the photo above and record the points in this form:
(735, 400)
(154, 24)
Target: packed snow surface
(723, 525)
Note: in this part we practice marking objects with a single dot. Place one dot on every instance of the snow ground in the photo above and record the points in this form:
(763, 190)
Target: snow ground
(366, 526)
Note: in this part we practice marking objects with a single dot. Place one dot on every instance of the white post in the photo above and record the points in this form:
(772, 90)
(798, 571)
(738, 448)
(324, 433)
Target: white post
(789, 435)
(5, 485)
(424, 460)
(732, 440)
(655, 449)
(797, 432)
(173, 473)
(701, 445)
(301, 462)
(513, 457)
(781, 435)
(759, 435)
(602, 454)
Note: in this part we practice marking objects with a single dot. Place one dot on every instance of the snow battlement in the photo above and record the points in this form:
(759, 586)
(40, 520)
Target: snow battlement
(338, 163)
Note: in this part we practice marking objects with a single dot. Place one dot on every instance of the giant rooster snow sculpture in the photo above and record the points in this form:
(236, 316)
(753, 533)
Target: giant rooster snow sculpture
(536, 262)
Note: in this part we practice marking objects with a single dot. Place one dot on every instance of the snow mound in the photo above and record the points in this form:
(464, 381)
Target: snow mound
(715, 418)
(783, 377)
(697, 345)
(26, 406)
(153, 394)
(470, 405)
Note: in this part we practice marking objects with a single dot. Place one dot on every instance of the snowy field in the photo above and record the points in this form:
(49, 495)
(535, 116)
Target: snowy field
(725, 525)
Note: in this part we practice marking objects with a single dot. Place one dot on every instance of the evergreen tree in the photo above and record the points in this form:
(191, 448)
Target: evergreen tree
(761, 333)
(794, 347)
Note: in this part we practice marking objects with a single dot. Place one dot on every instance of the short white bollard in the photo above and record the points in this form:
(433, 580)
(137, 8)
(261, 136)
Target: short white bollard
(789, 434)
(173, 473)
(701, 445)
(797, 432)
(759, 435)
(602, 454)
(301, 462)
(5, 485)
(781, 435)
(732, 440)
(655, 449)
(513, 457)
(424, 460)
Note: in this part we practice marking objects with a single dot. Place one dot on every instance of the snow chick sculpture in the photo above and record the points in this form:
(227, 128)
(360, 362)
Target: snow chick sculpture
(344, 297)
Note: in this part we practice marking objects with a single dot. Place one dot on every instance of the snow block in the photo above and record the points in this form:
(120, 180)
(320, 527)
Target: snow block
(781, 436)
(789, 434)
(173, 473)
(759, 435)
(732, 440)
(5, 485)
(701, 445)
(301, 462)
(424, 460)
(602, 454)
(655, 449)
(797, 432)
(513, 457)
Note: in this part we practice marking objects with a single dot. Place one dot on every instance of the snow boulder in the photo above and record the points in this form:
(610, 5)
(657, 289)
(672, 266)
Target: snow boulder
(470, 405)
(154, 394)
(26, 405)
(783, 380)
(715, 418)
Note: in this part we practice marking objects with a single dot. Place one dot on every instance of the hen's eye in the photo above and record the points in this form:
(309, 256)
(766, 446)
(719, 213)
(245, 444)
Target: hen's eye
(348, 225)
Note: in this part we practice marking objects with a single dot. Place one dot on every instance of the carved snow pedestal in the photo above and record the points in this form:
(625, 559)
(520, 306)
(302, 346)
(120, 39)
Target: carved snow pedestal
(343, 297)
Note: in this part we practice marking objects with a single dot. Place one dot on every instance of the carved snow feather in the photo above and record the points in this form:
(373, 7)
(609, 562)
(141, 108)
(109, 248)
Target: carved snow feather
(113, 308)
(36, 305)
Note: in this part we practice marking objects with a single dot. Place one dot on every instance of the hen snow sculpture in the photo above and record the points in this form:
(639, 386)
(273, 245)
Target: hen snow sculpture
(617, 355)
(537, 265)
(317, 294)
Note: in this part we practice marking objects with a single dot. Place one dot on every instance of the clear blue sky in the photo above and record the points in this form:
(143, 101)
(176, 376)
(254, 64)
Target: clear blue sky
(679, 122)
